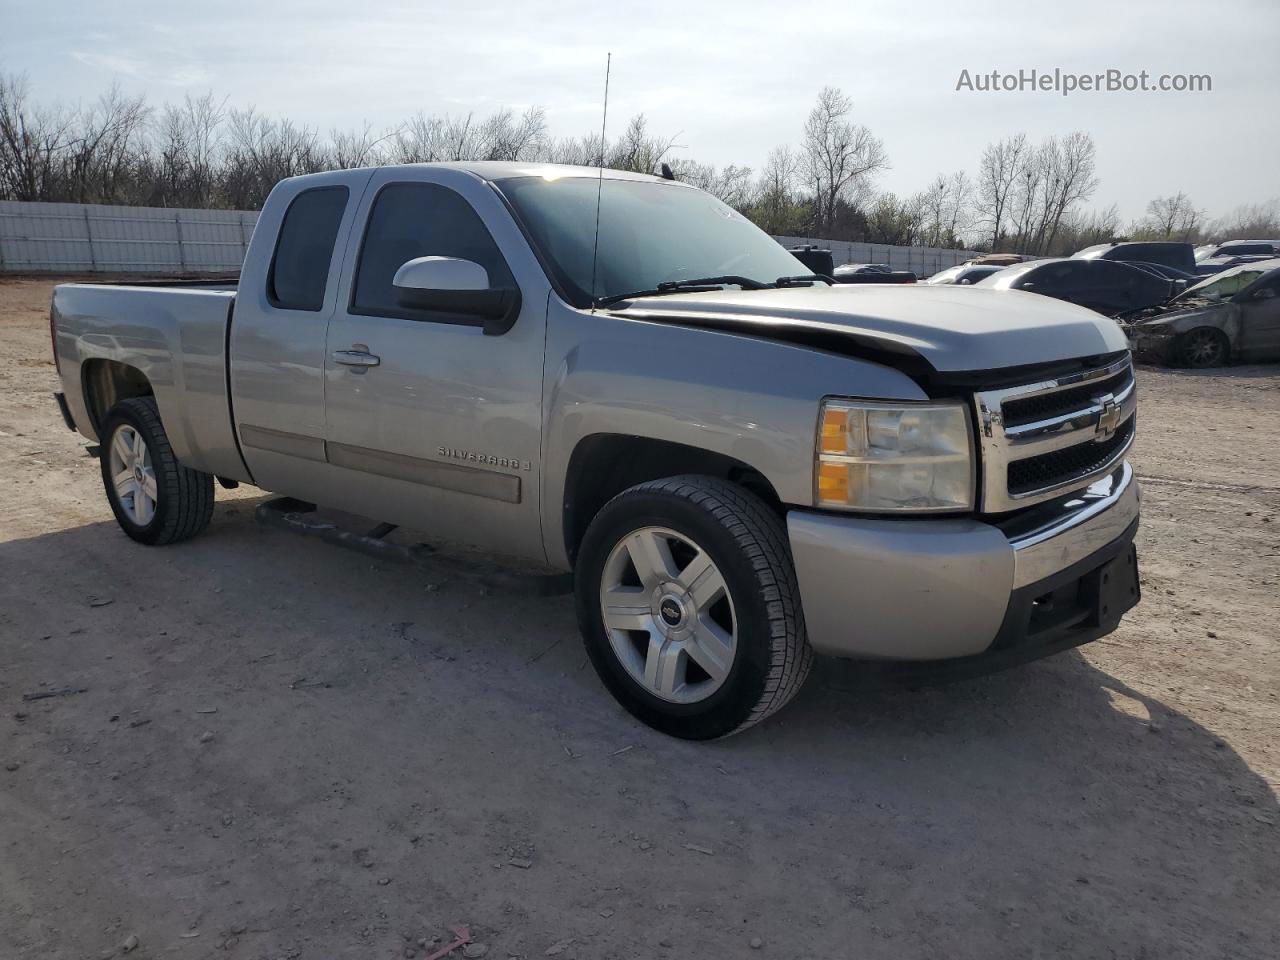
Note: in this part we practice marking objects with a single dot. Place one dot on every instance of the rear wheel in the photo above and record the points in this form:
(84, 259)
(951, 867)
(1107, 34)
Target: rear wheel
(1203, 347)
(155, 499)
(688, 605)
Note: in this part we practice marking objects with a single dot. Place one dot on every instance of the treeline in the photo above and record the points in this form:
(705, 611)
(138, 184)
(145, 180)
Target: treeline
(202, 152)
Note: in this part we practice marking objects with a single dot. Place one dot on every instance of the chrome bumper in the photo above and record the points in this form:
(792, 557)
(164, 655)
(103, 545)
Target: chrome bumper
(939, 589)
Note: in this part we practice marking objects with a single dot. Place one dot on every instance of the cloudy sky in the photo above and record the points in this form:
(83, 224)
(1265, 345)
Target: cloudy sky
(732, 79)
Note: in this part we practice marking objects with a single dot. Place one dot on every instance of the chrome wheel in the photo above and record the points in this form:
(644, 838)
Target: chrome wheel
(668, 614)
(132, 474)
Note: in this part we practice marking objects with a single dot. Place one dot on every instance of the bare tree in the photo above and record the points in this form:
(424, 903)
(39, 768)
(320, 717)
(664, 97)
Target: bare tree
(1170, 218)
(999, 172)
(1259, 220)
(32, 140)
(777, 208)
(840, 157)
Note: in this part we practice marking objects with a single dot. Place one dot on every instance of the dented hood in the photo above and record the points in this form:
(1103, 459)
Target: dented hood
(953, 328)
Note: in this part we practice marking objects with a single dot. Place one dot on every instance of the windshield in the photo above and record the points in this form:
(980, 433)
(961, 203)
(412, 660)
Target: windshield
(650, 233)
(1222, 287)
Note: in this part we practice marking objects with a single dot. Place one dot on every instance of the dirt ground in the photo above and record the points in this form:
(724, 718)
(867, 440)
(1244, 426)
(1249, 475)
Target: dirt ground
(283, 749)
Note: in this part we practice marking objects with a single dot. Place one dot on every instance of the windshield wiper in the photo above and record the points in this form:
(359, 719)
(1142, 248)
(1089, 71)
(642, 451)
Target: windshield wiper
(803, 280)
(698, 285)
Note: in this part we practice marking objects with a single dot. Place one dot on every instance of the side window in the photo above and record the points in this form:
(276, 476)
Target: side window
(411, 220)
(300, 266)
(1246, 249)
(1059, 278)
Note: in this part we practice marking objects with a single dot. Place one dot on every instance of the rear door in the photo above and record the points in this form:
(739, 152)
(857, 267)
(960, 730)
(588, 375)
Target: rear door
(288, 290)
(429, 422)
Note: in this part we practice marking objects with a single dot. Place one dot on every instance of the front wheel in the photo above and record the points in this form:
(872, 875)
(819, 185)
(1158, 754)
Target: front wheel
(1203, 347)
(688, 604)
(156, 500)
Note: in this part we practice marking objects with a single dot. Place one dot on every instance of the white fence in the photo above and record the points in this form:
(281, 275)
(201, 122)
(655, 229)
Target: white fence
(922, 261)
(91, 238)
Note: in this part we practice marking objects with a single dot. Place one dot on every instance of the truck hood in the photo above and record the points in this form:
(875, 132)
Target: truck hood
(955, 329)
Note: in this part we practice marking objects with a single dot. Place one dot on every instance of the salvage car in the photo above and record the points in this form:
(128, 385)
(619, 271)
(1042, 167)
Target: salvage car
(1108, 286)
(619, 376)
(963, 274)
(1234, 315)
(1238, 248)
(1171, 253)
(871, 273)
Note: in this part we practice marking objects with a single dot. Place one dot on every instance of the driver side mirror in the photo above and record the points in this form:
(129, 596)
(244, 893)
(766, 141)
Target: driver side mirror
(1266, 293)
(452, 285)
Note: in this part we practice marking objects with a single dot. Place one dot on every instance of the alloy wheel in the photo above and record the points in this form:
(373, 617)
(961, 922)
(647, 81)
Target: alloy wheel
(668, 614)
(132, 474)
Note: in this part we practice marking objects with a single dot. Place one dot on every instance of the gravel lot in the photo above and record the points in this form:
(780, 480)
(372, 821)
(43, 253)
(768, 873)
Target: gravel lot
(283, 749)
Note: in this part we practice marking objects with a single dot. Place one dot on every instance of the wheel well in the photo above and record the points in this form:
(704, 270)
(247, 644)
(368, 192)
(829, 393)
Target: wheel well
(604, 465)
(106, 383)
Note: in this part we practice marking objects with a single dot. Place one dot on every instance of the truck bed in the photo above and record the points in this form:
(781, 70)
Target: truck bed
(175, 334)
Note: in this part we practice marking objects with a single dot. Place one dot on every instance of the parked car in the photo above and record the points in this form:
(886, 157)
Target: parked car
(1171, 254)
(1181, 279)
(1107, 286)
(814, 259)
(1238, 248)
(999, 259)
(1232, 316)
(872, 273)
(1212, 265)
(739, 467)
(963, 274)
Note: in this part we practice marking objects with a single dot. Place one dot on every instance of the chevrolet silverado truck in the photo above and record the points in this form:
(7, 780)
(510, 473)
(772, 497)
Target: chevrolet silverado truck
(618, 376)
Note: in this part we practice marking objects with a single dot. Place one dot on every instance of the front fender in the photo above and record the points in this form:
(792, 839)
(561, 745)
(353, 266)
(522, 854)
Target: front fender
(747, 398)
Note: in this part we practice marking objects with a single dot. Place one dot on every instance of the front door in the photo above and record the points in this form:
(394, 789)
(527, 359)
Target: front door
(429, 422)
(1260, 322)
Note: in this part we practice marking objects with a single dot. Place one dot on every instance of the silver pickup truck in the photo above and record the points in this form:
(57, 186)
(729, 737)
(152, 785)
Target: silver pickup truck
(619, 376)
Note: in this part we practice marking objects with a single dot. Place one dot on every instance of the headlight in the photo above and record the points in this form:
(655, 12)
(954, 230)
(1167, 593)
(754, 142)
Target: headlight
(883, 457)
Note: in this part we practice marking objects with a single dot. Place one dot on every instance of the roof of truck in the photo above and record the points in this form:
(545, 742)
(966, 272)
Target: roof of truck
(508, 169)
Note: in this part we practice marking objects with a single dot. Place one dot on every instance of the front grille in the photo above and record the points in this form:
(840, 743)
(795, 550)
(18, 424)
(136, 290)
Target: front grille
(1068, 464)
(1018, 413)
(1043, 440)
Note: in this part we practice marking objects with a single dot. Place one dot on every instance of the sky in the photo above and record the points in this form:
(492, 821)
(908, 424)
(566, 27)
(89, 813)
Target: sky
(731, 80)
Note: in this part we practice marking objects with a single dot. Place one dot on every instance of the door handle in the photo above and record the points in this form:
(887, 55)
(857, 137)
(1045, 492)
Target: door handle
(356, 358)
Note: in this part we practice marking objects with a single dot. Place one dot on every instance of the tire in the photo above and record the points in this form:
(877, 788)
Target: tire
(696, 656)
(155, 499)
(1203, 347)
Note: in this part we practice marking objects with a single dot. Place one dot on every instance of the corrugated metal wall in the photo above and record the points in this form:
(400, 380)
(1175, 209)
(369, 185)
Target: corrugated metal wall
(89, 238)
(922, 261)
(86, 237)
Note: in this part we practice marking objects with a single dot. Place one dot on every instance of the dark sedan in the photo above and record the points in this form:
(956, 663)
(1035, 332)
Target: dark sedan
(1107, 286)
(964, 274)
(872, 273)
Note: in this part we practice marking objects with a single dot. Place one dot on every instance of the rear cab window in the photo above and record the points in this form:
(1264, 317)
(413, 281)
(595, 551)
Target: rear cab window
(299, 271)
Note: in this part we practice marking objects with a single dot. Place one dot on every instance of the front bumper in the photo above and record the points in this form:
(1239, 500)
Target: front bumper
(1058, 575)
(1150, 346)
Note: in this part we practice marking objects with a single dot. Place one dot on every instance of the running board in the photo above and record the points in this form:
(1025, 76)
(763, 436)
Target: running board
(297, 516)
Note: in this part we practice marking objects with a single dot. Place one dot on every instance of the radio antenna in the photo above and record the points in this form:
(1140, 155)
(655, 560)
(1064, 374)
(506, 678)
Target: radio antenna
(604, 122)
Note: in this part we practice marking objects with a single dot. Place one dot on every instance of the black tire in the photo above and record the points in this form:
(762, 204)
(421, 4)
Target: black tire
(747, 542)
(184, 497)
(1203, 347)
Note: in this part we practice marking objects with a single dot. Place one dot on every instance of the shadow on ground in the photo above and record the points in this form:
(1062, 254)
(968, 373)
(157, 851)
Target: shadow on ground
(285, 748)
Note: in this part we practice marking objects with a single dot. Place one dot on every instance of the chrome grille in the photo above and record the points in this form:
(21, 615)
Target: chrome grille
(1041, 440)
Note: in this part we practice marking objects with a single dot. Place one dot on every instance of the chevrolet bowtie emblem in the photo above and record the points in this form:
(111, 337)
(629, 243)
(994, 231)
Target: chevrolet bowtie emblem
(1108, 418)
